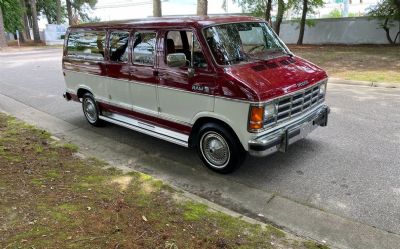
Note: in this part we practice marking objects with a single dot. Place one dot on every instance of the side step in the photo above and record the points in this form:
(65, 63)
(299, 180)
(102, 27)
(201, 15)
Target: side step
(146, 128)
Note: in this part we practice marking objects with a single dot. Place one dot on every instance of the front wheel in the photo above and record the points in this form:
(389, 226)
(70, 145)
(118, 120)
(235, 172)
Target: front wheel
(91, 110)
(219, 149)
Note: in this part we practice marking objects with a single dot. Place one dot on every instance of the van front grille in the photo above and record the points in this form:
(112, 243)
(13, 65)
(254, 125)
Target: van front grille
(298, 103)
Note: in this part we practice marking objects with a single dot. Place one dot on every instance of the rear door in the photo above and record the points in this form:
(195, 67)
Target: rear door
(84, 64)
(118, 69)
(143, 73)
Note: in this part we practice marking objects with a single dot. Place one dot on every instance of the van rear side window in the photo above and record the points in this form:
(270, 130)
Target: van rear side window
(144, 47)
(118, 46)
(88, 45)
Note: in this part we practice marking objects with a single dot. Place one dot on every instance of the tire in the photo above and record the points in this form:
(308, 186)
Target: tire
(91, 110)
(219, 149)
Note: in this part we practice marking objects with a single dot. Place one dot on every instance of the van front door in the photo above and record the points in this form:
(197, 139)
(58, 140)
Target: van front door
(181, 96)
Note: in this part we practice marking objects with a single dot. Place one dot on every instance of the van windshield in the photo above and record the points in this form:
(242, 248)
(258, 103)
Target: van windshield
(235, 43)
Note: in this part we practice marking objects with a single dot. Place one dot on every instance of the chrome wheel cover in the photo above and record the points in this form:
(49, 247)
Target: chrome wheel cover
(89, 108)
(215, 149)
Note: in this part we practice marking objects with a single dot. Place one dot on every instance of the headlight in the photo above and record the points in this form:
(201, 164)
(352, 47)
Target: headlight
(261, 116)
(269, 112)
(322, 89)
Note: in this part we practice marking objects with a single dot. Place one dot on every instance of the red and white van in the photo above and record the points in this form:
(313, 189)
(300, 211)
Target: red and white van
(225, 85)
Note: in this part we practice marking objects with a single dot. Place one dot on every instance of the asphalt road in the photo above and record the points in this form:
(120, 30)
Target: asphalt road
(351, 168)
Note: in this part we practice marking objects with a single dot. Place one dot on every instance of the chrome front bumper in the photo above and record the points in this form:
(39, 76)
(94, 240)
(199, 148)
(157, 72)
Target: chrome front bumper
(279, 138)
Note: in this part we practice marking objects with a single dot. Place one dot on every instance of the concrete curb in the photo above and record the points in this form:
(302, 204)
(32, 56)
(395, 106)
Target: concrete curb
(294, 217)
(363, 83)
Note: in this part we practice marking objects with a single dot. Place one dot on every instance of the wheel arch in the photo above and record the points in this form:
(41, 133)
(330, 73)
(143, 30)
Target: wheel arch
(205, 120)
(82, 90)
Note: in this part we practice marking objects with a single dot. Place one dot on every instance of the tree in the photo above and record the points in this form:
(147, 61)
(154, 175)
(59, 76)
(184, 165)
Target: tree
(279, 16)
(3, 40)
(78, 10)
(262, 8)
(157, 8)
(388, 12)
(35, 25)
(303, 22)
(257, 8)
(202, 6)
(268, 9)
(53, 10)
(59, 11)
(11, 12)
(306, 7)
(25, 20)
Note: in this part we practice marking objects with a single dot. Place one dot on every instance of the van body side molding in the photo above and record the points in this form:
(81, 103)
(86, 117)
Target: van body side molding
(147, 128)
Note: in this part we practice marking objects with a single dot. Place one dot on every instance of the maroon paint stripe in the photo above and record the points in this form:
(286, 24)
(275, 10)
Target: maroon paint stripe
(147, 118)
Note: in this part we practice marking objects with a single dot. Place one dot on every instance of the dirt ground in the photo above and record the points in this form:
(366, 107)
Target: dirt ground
(50, 197)
(366, 63)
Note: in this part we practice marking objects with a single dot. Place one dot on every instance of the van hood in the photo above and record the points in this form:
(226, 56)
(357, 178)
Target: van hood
(270, 79)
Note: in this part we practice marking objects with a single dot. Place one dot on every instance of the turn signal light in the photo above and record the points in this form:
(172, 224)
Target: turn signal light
(256, 118)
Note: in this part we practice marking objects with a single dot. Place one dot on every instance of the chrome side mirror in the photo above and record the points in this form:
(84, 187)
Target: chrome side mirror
(176, 60)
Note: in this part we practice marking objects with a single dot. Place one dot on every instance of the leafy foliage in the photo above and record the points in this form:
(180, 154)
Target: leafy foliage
(49, 9)
(313, 5)
(335, 13)
(255, 7)
(11, 15)
(388, 11)
(385, 9)
(83, 9)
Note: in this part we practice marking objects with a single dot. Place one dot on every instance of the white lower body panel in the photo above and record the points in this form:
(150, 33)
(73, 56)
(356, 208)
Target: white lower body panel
(146, 128)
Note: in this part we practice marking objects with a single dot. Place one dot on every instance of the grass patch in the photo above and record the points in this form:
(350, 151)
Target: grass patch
(71, 147)
(195, 211)
(53, 199)
(365, 63)
(313, 245)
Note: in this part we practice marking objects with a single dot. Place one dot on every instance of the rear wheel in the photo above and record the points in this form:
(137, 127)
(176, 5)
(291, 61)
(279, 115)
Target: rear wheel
(91, 110)
(219, 149)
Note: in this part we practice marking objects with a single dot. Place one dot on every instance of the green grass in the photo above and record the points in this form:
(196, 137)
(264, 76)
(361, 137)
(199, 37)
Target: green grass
(364, 63)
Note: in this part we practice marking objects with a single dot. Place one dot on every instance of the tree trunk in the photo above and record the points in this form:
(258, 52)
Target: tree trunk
(268, 11)
(279, 16)
(387, 31)
(58, 11)
(22, 32)
(303, 22)
(35, 25)
(25, 21)
(157, 8)
(202, 7)
(69, 11)
(3, 41)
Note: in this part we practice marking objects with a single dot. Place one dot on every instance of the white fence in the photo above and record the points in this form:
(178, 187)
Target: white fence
(353, 30)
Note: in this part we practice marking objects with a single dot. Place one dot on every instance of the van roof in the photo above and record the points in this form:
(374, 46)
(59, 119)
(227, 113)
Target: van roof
(199, 21)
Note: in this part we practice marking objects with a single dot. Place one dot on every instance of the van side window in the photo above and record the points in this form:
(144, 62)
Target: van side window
(86, 45)
(118, 46)
(181, 42)
(144, 47)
